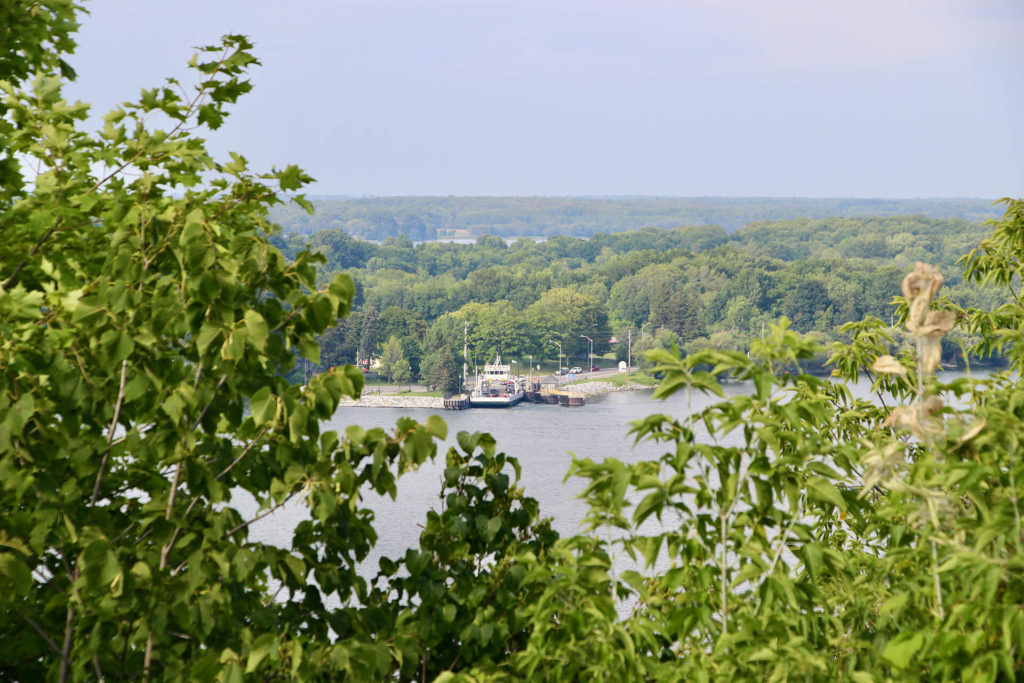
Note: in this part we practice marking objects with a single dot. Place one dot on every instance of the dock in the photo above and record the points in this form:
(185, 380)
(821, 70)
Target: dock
(460, 402)
(551, 394)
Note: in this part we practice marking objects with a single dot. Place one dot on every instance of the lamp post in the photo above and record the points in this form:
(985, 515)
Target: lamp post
(559, 345)
(590, 359)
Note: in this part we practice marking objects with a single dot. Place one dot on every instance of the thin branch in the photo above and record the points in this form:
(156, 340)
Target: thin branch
(262, 514)
(237, 528)
(140, 430)
(147, 659)
(937, 583)
(207, 406)
(110, 433)
(174, 491)
(879, 392)
(273, 597)
(81, 365)
(31, 253)
(191, 107)
(725, 576)
(69, 632)
(39, 243)
(121, 535)
(241, 455)
(38, 629)
(192, 505)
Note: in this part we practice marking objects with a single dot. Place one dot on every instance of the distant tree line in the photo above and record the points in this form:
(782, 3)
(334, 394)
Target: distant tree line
(428, 218)
(693, 287)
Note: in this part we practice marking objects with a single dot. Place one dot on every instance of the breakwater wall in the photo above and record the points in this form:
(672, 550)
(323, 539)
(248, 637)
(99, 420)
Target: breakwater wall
(393, 401)
(400, 401)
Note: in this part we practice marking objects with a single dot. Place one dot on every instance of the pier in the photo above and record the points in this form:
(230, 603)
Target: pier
(460, 402)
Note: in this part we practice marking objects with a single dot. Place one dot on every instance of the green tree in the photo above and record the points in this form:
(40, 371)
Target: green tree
(565, 314)
(402, 371)
(340, 344)
(392, 360)
(495, 328)
(440, 371)
(369, 336)
(409, 328)
(806, 299)
(146, 325)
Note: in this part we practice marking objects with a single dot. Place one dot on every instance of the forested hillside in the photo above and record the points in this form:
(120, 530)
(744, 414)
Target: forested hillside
(695, 287)
(427, 218)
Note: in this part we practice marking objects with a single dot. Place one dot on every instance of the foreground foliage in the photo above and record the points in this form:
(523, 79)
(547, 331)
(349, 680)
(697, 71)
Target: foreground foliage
(146, 327)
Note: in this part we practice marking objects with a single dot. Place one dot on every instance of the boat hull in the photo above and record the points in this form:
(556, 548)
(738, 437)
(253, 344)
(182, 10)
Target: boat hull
(497, 401)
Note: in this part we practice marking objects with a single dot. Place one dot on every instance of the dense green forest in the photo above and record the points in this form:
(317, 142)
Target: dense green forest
(427, 218)
(693, 287)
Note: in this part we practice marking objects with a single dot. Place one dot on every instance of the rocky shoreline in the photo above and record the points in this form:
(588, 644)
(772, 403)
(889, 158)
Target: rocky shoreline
(585, 389)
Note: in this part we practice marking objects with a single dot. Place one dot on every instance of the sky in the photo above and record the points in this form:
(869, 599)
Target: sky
(767, 98)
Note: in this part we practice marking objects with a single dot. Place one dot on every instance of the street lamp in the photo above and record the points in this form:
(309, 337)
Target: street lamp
(591, 358)
(559, 344)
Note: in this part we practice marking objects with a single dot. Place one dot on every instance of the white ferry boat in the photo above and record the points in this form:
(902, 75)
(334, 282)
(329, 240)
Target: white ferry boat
(497, 387)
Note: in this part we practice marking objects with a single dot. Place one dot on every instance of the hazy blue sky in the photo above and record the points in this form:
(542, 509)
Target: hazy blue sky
(866, 98)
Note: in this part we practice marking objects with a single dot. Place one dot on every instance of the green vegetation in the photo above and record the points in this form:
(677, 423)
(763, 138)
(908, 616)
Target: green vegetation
(428, 218)
(633, 378)
(146, 327)
(697, 288)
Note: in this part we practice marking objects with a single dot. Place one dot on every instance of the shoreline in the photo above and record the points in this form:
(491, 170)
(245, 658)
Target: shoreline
(585, 389)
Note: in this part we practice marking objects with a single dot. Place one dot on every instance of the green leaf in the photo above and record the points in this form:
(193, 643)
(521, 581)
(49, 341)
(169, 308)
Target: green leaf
(900, 650)
(895, 603)
(15, 577)
(436, 427)
(261, 647)
(256, 326)
(823, 491)
(263, 405)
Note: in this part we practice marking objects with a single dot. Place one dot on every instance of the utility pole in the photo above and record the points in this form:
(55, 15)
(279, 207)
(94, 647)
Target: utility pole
(465, 351)
(642, 336)
(629, 352)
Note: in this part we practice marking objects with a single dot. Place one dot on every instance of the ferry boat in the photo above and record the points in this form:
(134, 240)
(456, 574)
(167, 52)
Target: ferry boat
(497, 387)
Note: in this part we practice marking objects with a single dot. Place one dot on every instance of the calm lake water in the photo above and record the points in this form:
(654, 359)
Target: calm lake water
(541, 437)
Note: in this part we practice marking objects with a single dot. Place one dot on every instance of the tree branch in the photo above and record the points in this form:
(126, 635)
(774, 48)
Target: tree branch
(96, 666)
(38, 629)
(31, 253)
(241, 455)
(206, 408)
(69, 632)
(262, 514)
(110, 433)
